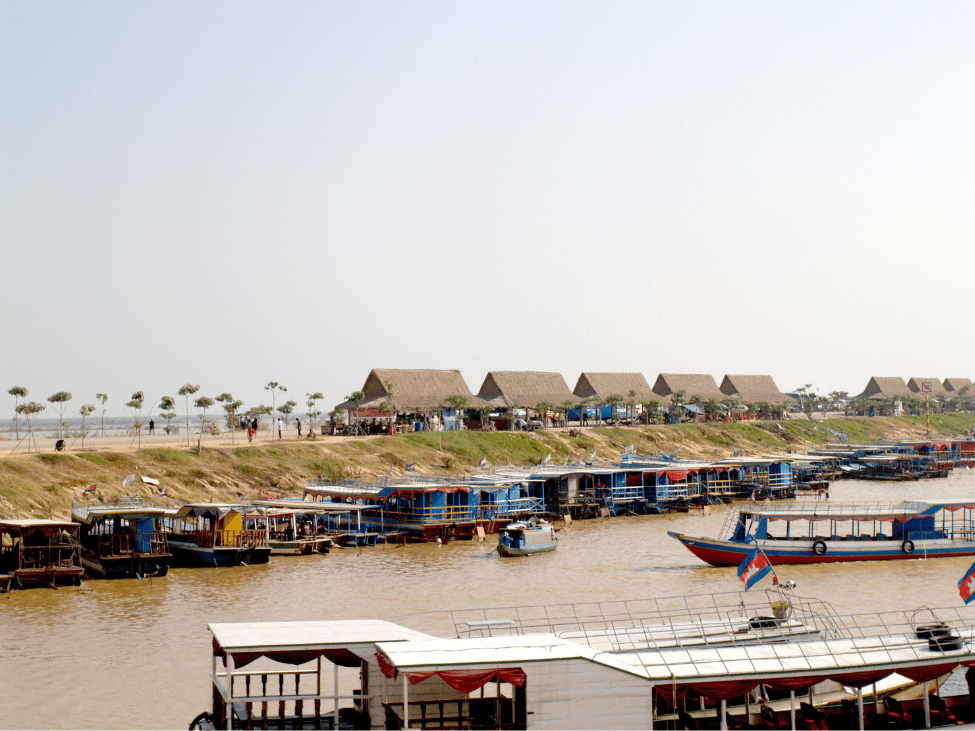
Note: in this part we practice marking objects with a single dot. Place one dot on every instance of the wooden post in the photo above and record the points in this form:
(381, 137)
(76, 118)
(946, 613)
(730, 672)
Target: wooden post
(927, 707)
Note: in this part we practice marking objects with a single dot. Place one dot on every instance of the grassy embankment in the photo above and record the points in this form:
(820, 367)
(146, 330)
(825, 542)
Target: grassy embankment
(43, 485)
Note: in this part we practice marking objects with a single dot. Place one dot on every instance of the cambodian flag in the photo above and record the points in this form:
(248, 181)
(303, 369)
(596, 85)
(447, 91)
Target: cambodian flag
(966, 587)
(753, 568)
(93, 488)
(165, 493)
(411, 467)
(483, 462)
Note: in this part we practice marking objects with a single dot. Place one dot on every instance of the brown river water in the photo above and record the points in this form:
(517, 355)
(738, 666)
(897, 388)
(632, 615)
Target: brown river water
(136, 654)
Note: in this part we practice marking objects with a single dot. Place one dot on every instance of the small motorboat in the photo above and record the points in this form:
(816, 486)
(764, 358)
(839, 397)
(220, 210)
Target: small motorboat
(525, 538)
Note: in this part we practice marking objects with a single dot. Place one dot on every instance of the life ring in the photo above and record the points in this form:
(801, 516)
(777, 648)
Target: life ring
(907, 546)
(819, 548)
(200, 720)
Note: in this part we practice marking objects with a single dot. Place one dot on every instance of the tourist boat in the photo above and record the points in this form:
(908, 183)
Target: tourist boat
(291, 531)
(827, 533)
(39, 553)
(387, 675)
(213, 534)
(526, 538)
(124, 539)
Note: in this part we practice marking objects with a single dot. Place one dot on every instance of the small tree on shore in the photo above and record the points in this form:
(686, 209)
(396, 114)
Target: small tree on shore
(85, 411)
(203, 403)
(541, 409)
(676, 402)
(30, 411)
(230, 406)
(313, 399)
(287, 408)
(256, 412)
(187, 390)
(102, 397)
(356, 397)
(274, 387)
(60, 399)
(654, 411)
(18, 392)
(167, 409)
(135, 406)
(614, 400)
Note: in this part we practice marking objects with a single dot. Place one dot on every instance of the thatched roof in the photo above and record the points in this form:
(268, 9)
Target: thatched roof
(603, 385)
(753, 389)
(414, 389)
(937, 388)
(692, 384)
(955, 385)
(881, 387)
(525, 388)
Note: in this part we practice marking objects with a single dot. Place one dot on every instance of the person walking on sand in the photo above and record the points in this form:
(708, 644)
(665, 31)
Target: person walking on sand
(280, 427)
(152, 426)
(298, 422)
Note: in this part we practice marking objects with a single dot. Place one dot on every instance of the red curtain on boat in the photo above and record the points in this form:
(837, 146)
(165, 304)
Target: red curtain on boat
(928, 672)
(953, 508)
(721, 691)
(676, 475)
(463, 681)
(794, 683)
(859, 680)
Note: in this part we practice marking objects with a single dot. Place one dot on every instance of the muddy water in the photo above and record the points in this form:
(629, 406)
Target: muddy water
(135, 654)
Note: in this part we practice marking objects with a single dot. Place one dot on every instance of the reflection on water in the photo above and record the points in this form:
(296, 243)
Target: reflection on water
(126, 654)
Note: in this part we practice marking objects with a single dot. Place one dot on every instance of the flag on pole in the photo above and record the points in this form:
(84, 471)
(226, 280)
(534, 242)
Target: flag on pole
(265, 494)
(93, 488)
(130, 479)
(547, 460)
(753, 568)
(411, 467)
(966, 587)
(483, 463)
(630, 448)
(165, 493)
(592, 457)
(507, 462)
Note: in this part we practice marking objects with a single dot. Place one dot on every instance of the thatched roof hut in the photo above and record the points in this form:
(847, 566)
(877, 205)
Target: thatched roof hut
(692, 384)
(753, 389)
(603, 385)
(881, 387)
(955, 385)
(937, 388)
(525, 388)
(413, 390)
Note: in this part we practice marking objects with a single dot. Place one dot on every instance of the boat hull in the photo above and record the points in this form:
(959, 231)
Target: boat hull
(730, 553)
(508, 552)
(125, 567)
(191, 555)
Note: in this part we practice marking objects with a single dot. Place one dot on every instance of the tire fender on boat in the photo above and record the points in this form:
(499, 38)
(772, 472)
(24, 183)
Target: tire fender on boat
(819, 548)
(907, 546)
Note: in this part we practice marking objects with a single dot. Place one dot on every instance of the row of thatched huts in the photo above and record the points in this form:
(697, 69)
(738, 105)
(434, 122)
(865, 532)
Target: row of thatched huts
(414, 390)
(880, 388)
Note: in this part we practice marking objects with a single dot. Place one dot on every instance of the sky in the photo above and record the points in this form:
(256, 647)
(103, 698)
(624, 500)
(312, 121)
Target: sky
(233, 193)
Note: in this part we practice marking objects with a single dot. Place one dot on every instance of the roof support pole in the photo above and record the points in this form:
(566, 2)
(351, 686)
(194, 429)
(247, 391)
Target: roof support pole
(723, 725)
(792, 709)
(860, 705)
(927, 707)
(652, 704)
(335, 676)
(230, 691)
(406, 703)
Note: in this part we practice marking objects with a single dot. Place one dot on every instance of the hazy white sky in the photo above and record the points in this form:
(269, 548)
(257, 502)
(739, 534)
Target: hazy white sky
(232, 193)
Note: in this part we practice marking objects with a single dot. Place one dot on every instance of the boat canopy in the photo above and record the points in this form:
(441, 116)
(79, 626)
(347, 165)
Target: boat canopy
(216, 510)
(901, 512)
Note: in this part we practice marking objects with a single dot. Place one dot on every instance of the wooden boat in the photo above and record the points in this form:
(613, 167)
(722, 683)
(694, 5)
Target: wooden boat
(526, 538)
(824, 533)
(213, 534)
(408, 678)
(39, 553)
(291, 532)
(121, 540)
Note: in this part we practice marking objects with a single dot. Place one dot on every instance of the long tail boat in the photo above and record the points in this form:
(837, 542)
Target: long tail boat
(824, 533)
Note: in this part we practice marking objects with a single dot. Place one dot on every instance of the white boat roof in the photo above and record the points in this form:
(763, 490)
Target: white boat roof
(308, 506)
(254, 636)
(814, 657)
(826, 511)
(496, 651)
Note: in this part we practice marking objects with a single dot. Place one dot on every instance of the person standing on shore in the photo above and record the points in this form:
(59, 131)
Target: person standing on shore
(298, 422)
(280, 427)
(152, 426)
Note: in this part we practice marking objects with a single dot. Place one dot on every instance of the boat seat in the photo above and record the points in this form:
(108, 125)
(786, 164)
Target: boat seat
(940, 710)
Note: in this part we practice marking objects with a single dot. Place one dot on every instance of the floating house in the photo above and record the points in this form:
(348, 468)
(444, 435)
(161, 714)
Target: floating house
(39, 553)
(753, 389)
(124, 539)
(213, 534)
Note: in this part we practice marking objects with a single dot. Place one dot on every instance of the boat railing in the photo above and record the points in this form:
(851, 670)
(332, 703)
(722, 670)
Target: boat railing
(63, 555)
(225, 538)
(627, 625)
(493, 712)
(126, 544)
